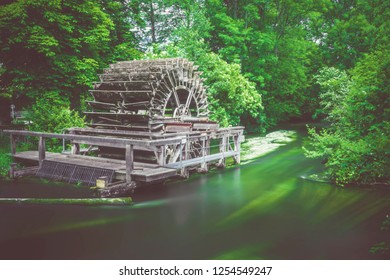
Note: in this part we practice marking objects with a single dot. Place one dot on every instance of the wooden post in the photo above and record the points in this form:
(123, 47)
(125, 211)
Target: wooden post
(222, 149)
(164, 155)
(12, 170)
(41, 150)
(204, 166)
(186, 148)
(161, 155)
(13, 144)
(181, 153)
(184, 172)
(129, 162)
(208, 144)
(75, 149)
(237, 148)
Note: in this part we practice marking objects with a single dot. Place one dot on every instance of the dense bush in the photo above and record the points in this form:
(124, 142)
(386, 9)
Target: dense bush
(355, 147)
(52, 114)
(5, 161)
(233, 98)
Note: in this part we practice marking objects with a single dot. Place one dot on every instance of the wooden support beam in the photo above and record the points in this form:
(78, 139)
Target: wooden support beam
(176, 154)
(161, 155)
(75, 149)
(204, 165)
(129, 162)
(187, 149)
(13, 144)
(12, 170)
(222, 149)
(184, 173)
(208, 144)
(41, 150)
(27, 171)
(237, 149)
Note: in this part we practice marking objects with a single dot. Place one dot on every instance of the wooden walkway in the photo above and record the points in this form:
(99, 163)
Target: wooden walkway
(142, 172)
(172, 154)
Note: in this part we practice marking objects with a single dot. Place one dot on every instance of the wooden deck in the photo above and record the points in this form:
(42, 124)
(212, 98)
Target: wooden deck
(142, 172)
(172, 153)
(148, 174)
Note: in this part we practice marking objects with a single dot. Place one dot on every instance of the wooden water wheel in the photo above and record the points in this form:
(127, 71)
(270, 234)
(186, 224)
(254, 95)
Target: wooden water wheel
(146, 95)
(154, 96)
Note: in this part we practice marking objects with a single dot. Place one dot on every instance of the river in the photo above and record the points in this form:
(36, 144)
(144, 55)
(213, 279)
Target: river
(262, 209)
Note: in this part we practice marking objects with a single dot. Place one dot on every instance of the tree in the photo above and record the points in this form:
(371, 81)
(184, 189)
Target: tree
(355, 147)
(348, 29)
(57, 46)
(269, 39)
(123, 44)
(233, 99)
(158, 19)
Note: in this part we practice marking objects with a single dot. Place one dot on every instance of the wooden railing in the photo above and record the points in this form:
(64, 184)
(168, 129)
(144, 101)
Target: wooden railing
(181, 140)
(127, 144)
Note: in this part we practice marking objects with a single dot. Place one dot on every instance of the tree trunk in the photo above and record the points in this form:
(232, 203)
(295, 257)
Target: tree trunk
(153, 23)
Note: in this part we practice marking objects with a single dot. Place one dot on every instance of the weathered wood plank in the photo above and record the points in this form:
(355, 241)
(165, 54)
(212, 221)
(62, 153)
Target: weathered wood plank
(98, 141)
(82, 160)
(237, 149)
(27, 171)
(153, 174)
(129, 162)
(204, 165)
(199, 160)
(205, 126)
(172, 128)
(119, 116)
(13, 144)
(41, 149)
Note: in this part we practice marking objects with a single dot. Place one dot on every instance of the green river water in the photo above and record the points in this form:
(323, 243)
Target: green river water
(262, 209)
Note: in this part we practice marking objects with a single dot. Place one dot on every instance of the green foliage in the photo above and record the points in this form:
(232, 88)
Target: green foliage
(346, 30)
(5, 161)
(277, 65)
(355, 146)
(380, 248)
(335, 85)
(350, 160)
(58, 46)
(270, 42)
(233, 98)
(52, 114)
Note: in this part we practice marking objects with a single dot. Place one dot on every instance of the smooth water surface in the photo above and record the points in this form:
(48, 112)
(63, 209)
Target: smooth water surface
(261, 209)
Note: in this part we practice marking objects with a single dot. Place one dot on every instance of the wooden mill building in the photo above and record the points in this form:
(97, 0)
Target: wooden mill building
(148, 121)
